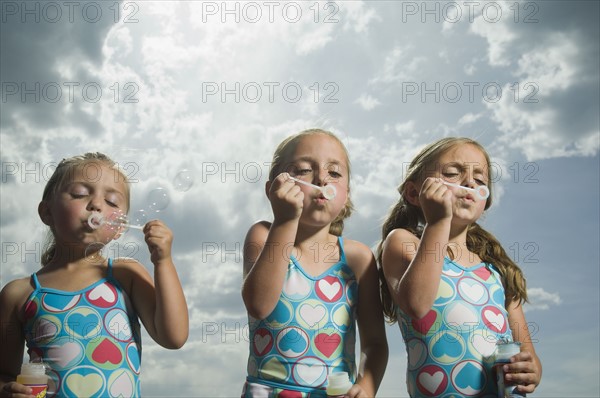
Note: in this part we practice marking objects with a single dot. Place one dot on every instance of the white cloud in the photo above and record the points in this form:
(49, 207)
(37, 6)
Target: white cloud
(357, 16)
(398, 66)
(469, 118)
(367, 102)
(541, 299)
(497, 32)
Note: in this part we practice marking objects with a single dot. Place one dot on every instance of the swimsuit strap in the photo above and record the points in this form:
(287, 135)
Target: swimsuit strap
(109, 274)
(36, 282)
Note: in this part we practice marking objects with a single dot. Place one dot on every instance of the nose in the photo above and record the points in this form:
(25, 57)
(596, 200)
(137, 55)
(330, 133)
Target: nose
(95, 204)
(320, 178)
(470, 182)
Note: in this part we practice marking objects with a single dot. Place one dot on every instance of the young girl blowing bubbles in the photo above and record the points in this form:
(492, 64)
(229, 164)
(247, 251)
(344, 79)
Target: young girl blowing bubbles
(79, 313)
(448, 282)
(304, 285)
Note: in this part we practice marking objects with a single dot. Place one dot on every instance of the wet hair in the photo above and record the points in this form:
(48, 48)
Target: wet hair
(479, 241)
(281, 162)
(63, 174)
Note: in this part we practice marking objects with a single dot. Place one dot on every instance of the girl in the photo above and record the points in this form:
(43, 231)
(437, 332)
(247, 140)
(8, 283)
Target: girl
(304, 286)
(449, 282)
(79, 313)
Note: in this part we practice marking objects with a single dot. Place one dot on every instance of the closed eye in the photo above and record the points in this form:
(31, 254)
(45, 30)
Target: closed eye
(452, 176)
(303, 172)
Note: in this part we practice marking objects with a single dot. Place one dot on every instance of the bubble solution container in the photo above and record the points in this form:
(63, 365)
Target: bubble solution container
(33, 375)
(504, 351)
(338, 384)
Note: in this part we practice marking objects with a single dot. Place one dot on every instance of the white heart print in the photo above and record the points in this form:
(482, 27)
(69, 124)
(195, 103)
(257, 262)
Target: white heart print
(261, 342)
(309, 373)
(312, 315)
(431, 382)
(329, 289)
(104, 292)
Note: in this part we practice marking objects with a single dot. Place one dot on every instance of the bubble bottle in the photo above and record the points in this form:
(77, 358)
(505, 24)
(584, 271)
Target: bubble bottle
(338, 385)
(33, 375)
(505, 349)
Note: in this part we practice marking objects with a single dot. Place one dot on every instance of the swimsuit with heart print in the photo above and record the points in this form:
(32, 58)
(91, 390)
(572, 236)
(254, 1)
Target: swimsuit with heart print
(309, 334)
(90, 339)
(450, 350)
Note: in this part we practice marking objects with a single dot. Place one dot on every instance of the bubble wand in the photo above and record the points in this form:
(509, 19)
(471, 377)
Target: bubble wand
(328, 191)
(116, 220)
(482, 192)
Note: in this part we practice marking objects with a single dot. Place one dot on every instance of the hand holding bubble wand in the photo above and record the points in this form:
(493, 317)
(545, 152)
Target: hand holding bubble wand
(481, 192)
(328, 191)
(115, 220)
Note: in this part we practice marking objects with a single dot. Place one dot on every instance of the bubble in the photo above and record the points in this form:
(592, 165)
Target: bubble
(138, 217)
(158, 199)
(183, 181)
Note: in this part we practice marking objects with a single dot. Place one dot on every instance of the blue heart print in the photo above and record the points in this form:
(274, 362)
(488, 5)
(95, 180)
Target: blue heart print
(281, 314)
(448, 344)
(469, 377)
(59, 303)
(293, 341)
(83, 325)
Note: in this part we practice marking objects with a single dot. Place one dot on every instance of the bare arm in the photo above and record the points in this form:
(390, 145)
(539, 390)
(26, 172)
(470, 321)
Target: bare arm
(371, 325)
(12, 340)
(413, 267)
(267, 249)
(161, 304)
(524, 368)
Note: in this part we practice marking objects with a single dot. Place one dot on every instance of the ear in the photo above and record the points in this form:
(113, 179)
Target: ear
(268, 188)
(411, 193)
(44, 212)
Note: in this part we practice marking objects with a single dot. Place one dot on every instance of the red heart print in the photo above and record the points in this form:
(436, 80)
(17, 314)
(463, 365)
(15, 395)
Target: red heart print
(424, 324)
(327, 343)
(106, 351)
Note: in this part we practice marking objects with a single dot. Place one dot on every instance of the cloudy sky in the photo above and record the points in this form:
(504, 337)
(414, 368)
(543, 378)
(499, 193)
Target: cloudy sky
(192, 97)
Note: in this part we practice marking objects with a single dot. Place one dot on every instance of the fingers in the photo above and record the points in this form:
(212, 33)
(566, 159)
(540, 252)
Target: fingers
(283, 186)
(159, 239)
(522, 371)
(435, 199)
(286, 198)
(15, 390)
(356, 392)
(434, 188)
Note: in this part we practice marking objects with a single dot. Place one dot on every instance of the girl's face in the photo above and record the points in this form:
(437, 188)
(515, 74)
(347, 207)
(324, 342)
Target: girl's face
(465, 165)
(320, 160)
(92, 187)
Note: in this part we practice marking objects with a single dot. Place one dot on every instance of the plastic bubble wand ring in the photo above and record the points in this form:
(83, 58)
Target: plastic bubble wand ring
(482, 192)
(97, 220)
(328, 191)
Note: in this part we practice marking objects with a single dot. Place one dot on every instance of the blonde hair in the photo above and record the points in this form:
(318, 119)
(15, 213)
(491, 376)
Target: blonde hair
(410, 217)
(64, 172)
(281, 161)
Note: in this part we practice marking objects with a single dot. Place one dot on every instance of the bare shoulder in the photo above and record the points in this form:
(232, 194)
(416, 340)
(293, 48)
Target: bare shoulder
(255, 238)
(127, 263)
(15, 293)
(359, 256)
(401, 235)
(258, 230)
(126, 270)
(401, 240)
